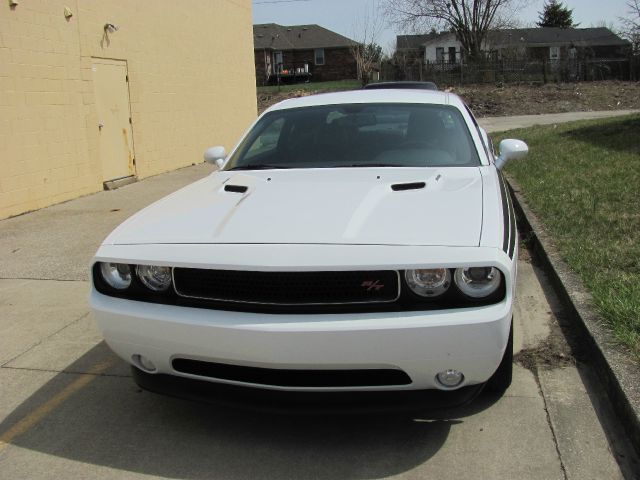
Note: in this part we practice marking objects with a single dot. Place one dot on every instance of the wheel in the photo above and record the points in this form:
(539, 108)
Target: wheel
(501, 379)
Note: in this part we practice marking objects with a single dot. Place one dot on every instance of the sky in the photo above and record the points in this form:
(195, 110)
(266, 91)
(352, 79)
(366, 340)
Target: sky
(341, 16)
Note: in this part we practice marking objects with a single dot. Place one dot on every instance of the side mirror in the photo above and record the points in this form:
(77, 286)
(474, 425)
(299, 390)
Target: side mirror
(215, 155)
(511, 149)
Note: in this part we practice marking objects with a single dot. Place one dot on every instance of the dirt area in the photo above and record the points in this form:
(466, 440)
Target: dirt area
(491, 100)
(562, 347)
(500, 100)
(265, 100)
(554, 352)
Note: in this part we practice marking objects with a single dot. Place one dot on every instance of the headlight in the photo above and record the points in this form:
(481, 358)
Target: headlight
(428, 282)
(117, 275)
(154, 277)
(478, 282)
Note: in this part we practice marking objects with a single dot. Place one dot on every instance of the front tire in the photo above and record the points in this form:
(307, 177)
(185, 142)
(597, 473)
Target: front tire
(501, 379)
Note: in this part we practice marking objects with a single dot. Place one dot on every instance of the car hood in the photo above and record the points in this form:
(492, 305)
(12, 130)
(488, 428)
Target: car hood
(374, 206)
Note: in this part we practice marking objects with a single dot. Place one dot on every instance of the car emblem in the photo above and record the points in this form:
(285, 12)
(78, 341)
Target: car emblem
(372, 285)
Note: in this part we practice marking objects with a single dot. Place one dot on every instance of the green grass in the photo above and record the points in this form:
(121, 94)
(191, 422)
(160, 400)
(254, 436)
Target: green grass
(316, 87)
(583, 181)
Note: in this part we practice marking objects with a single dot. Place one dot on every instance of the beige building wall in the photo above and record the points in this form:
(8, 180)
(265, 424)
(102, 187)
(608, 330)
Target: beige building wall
(191, 86)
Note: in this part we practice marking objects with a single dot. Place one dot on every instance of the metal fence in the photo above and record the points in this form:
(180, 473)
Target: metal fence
(515, 71)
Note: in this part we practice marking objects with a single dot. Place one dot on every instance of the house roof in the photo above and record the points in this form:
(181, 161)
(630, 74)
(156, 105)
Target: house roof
(413, 42)
(296, 37)
(439, 37)
(550, 36)
(544, 37)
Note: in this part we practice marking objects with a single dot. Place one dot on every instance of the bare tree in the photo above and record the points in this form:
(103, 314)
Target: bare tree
(470, 20)
(366, 51)
(631, 24)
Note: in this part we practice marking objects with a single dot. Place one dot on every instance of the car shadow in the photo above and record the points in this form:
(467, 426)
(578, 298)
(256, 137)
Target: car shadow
(111, 422)
(609, 135)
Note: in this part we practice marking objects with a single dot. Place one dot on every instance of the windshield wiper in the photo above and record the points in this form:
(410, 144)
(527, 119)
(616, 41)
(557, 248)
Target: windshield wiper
(259, 167)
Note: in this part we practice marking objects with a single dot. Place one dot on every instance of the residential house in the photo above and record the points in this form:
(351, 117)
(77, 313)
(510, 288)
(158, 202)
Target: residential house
(97, 91)
(443, 47)
(541, 43)
(558, 43)
(411, 47)
(301, 53)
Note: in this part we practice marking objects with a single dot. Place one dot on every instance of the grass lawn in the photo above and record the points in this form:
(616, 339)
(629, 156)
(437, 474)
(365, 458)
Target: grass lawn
(313, 86)
(583, 181)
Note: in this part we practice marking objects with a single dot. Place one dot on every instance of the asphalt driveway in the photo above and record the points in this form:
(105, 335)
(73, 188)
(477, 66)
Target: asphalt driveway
(69, 409)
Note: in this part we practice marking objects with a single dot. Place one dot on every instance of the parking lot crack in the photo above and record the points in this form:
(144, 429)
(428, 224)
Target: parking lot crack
(46, 279)
(67, 372)
(554, 435)
(39, 342)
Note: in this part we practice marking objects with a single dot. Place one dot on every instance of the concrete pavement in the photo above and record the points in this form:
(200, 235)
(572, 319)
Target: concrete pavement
(58, 242)
(68, 407)
(500, 124)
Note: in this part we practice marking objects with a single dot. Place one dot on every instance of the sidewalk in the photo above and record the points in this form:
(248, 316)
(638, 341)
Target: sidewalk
(500, 124)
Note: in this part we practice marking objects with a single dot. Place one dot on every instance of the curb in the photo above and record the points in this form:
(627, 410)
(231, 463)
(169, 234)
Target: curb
(618, 373)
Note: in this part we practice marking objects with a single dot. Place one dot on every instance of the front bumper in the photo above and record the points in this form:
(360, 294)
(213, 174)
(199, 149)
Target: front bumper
(421, 344)
(305, 403)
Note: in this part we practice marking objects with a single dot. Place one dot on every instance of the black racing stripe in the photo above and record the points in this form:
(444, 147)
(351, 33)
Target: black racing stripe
(512, 218)
(505, 215)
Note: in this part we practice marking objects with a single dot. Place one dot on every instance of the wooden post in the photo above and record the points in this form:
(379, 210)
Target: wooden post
(544, 70)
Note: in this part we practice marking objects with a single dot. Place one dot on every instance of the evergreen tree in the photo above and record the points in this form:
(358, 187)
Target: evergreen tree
(555, 14)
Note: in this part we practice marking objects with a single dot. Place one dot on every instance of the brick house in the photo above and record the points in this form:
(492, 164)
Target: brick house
(301, 53)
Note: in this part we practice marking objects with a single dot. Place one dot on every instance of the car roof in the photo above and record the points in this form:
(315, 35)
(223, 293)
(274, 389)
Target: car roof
(403, 85)
(372, 96)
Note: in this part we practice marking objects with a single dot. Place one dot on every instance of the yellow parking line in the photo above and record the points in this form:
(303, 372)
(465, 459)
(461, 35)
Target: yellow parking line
(28, 421)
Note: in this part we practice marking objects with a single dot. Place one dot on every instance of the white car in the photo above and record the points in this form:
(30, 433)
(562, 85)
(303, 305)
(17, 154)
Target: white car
(354, 241)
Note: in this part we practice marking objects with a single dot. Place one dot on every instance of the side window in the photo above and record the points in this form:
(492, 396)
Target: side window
(488, 152)
(267, 140)
(319, 56)
(439, 54)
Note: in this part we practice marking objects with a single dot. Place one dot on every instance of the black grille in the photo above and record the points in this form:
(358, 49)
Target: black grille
(288, 288)
(292, 378)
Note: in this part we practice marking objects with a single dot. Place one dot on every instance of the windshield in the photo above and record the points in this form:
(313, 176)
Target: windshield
(358, 135)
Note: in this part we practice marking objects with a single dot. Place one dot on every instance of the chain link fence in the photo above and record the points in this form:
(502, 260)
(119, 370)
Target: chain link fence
(514, 71)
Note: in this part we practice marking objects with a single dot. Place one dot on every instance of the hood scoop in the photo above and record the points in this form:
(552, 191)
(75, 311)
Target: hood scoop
(313, 206)
(236, 188)
(399, 187)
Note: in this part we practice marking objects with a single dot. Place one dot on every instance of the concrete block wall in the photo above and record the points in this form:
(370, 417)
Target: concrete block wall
(191, 84)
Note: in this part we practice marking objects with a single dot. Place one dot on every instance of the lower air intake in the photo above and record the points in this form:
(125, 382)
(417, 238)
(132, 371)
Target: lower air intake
(292, 378)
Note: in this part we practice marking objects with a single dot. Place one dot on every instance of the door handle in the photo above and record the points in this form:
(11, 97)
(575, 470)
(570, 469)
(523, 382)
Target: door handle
(100, 126)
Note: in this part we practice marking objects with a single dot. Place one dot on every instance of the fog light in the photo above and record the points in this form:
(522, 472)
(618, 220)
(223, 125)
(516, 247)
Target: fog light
(450, 378)
(143, 363)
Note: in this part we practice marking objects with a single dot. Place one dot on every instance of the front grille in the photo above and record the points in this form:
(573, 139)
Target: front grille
(292, 378)
(288, 288)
